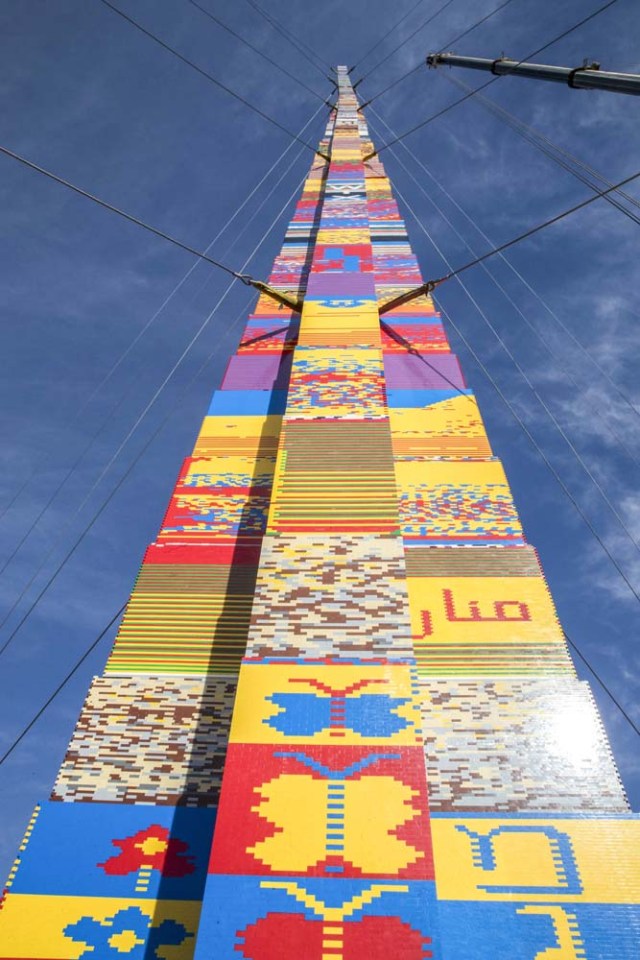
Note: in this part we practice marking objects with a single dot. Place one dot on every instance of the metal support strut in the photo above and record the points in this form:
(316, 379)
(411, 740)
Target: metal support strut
(424, 289)
(281, 297)
(588, 76)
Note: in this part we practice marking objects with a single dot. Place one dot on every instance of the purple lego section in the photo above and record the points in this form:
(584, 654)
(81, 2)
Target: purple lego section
(258, 373)
(349, 284)
(428, 372)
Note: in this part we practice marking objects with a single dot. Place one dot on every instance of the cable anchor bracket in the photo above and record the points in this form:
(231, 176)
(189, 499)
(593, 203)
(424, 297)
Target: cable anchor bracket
(423, 290)
(278, 295)
(586, 66)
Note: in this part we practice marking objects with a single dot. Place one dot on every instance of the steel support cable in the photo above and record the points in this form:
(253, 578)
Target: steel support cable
(473, 26)
(387, 34)
(448, 44)
(45, 706)
(559, 155)
(237, 275)
(257, 50)
(534, 443)
(483, 86)
(432, 284)
(537, 134)
(33, 525)
(504, 292)
(407, 39)
(85, 403)
(604, 686)
(205, 74)
(300, 45)
(17, 740)
(554, 316)
(404, 76)
(25, 730)
(507, 350)
(280, 27)
(113, 458)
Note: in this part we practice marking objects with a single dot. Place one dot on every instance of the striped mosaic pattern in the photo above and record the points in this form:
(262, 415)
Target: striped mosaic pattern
(339, 720)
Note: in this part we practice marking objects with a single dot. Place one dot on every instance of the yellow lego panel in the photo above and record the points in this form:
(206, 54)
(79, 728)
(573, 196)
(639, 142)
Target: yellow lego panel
(244, 436)
(343, 235)
(456, 500)
(228, 471)
(326, 705)
(451, 427)
(345, 311)
(63, 928)
(552, 860)
(492, 609)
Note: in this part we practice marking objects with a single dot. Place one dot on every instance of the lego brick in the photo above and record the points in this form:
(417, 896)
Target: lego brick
(444, 428)
(250, 403)
(339, 384)
(334, 477)
(516, 745)
(430, 372)
(115, 850)
(322, 596)
(519, 561)
(185, 618)
(239, 435)
(149, 740)
(77, 928)
(448, 501)
(258, 373)
(337, 810)
(549, 860)
(480, 609)
(219, 498)
(294, 704)
(522, 931)
(254, 917)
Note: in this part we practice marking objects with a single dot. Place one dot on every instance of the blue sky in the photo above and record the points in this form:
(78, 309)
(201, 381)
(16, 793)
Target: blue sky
(87, 96)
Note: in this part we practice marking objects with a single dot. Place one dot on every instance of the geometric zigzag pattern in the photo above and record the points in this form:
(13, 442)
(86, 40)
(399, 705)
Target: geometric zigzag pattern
(339, 720)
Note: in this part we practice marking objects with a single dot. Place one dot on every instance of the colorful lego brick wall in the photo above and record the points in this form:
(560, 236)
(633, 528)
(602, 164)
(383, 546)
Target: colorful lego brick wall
(339, 720)
(114, 864)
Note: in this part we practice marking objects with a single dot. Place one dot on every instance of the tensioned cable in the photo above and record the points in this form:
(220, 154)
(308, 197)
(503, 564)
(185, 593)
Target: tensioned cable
(119, 613)
(205, 73)
(497, 109)
(237, 275)
(421, 357)
(122, 399)
(565, 488)
(116, 616)
(289, 34)
(404, 76)
(483, 86)
(387, 33)
(300, 45)
(132, 430)
(432, 284)
(601, 682)
(407, 39)
(45, 706)
(257, 50)
(505, 293)
(459, 37)
(153, 318)
(554, 316)
(473, 26)
(505, 347)
(550, 149)
(540, 452)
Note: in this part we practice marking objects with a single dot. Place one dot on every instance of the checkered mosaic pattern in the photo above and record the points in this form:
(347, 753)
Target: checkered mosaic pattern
(339, 720)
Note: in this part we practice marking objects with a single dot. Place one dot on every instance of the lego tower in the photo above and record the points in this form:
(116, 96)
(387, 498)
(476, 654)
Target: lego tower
(339, 720)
